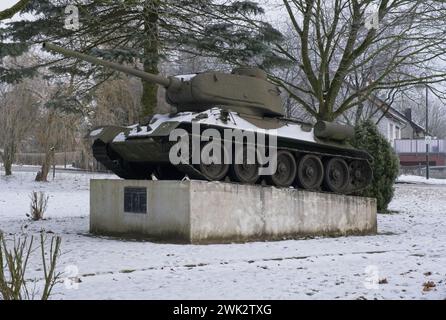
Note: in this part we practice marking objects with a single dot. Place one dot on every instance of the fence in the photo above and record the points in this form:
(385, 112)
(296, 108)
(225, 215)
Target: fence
(419, 146)
(76, 159)
(438, 172)
(61, 158)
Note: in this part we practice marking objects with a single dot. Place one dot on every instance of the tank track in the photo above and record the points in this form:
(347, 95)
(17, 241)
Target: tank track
(111, 161)
(114, 163)
(194, 174)
(117, 165)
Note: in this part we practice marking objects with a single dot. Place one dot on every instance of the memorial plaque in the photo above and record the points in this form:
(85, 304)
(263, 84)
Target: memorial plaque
(135, 200)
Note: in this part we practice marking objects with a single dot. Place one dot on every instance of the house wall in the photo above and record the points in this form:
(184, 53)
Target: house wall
(387, 124)
(383, 127)
(407, 132)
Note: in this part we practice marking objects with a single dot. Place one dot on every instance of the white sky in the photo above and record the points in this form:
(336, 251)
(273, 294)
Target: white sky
(5, 4)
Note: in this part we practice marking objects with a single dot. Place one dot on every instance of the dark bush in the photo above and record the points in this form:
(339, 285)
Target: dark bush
(385, 164)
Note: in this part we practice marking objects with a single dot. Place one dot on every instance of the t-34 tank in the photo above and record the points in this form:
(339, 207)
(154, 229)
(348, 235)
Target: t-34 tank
(305, 156)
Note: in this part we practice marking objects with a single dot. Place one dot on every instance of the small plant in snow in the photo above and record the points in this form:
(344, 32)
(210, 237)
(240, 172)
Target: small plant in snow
(14, 264)
(39, 203)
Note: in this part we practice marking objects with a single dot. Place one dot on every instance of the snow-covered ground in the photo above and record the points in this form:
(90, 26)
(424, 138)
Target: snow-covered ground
(409, 251)
(418, 179)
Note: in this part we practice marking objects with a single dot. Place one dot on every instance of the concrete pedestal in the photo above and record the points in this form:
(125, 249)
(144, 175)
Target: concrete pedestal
(213, 212)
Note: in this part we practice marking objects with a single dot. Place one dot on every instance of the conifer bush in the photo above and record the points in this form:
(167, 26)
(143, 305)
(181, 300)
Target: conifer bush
(385, 163)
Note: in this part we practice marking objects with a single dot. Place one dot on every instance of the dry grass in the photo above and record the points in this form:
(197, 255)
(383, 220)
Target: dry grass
(39, 204)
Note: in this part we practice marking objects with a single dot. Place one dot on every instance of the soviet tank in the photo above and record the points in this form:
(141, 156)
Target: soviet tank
(316, 158)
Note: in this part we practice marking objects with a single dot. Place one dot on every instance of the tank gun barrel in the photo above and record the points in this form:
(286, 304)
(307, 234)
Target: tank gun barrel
(334, 131)
(163, 81)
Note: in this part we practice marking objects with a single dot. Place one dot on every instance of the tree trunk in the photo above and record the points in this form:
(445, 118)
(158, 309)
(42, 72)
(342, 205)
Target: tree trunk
(8, 166)
(359, 112)
(149, 99)
(48, 147)
(325, 114)
(8, 157)
(42, 175)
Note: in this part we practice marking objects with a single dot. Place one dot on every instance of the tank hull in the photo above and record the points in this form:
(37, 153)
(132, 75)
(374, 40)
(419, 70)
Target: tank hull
(143, 152)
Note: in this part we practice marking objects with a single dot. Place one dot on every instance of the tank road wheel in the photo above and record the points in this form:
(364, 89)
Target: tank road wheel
(211, 167)
(286, 170)
(360, 174)
(245, 172)
(310, 172)
(337, 175)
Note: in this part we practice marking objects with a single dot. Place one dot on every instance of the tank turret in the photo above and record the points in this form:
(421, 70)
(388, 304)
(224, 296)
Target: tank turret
(245, 90)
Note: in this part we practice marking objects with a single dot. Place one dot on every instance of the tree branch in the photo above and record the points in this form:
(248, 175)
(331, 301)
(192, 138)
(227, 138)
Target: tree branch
(9, 13)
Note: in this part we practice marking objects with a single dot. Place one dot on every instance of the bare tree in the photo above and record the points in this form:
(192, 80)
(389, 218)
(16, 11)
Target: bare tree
(17, 109)
(415, 99)
(56, 123)
(52, 127)
(395, 44)
(118, 102)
